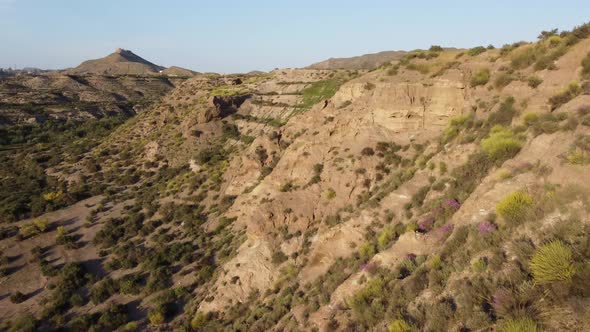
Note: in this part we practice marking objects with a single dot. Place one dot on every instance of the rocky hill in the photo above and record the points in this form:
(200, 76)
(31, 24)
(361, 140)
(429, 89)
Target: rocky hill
(120, 62)
(446, 190)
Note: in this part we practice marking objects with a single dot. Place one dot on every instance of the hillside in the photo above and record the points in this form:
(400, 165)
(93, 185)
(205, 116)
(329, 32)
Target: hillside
(120, 62)
(367, 61)
(445, 190)
(31, 98)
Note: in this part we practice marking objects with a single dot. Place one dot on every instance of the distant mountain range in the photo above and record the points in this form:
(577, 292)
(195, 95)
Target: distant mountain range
(367, 61)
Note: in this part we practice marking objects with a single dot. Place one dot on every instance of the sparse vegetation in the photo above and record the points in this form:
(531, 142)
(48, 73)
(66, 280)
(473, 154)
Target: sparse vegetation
(569, 93)
(501, 143)
(515, 207)
(481, 77)
(553, 262)
(534, 81)
(476, 51)
(188, 208)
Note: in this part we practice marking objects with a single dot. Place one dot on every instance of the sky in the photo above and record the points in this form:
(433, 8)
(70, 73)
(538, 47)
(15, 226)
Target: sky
(228, 36)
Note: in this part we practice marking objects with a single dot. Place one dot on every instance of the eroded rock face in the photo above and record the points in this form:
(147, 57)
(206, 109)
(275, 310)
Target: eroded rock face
(222, 106)
(327, 134)
(406, 106)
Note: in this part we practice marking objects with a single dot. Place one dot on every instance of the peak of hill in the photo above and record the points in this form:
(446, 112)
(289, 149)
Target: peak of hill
(120, 62)
(367, 61)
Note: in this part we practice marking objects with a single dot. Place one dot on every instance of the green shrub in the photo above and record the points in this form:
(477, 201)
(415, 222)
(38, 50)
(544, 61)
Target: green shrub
(198, 321)
(367, 251)
(505, 113)
(330, 193)
(435, 48)
(422, 68)
(17, 297)
(571, 92)
(455, 125)
(26, 323)
(399, 325)
(386, 236)
(530, 118)
(578, 156)
(515, 206)
(552, 262)
(481, 77)
(518, 325)
(156, 317)
(476, 51)
(279, 257)
(523, 58)
(503, 80)
(534, 81)
(501, 143)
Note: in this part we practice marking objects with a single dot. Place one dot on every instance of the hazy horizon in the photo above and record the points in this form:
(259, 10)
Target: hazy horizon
(232, 36)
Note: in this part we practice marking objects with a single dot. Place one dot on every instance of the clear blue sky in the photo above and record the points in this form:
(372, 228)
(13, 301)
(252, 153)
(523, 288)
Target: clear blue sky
(232, 36)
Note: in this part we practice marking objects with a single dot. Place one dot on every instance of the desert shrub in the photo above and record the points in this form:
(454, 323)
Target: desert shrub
(505, 113)
(130, 284)
(578, 156)
(442, 167)
(501, 143)
(367, 151)
(103, 290)
(198, 321)
(569, 93)
(480, 78)
(365, 304)
(515, 207)
(420, 195)
(523, 57)
(130, 327)
(115, 316)
(289, 186)
(476, 51)
(534, 81)
(37, 226)
(386, 236)
(26, 323)
(159, 279)
(530, 118)
(456, 124)
(367, 251)
(333, 220)
(330, 193)
(503, 80)
(552, 262)
(422, 68)
(518, 325)
(399, 325)
(586, 67)
(17, 297)
(435, 48)
(278, 257)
